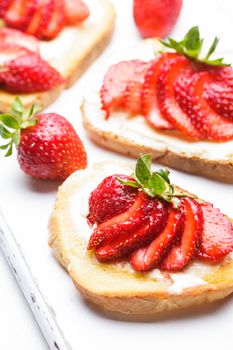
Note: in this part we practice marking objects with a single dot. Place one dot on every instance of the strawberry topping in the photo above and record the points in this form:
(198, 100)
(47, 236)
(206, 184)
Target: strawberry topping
(116, 81)
(44, 19)
(210, 124)
(14, 37)
(110, 198)
(150, 104)
(217, 234)
(180, 255)
(180, 91)
(148, 257)
(30, 68)
(157, 225)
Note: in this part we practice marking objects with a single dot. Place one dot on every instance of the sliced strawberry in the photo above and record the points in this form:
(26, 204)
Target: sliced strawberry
(150, 105)
(181, 254)
(20, 12)
(4, 5)
(217, 235)
(116, 81)
(220, 93)
(132, 102)
(29, 73)
(15, 37)
(170, 70)
(146, 258)
(125, 243)
(110, 198)
(220, 98)
(9, 52)
(210, 124)
(57, 21)
(124, 222)
(75, 11)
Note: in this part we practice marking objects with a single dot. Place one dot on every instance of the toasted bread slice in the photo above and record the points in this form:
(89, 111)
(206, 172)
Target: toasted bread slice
(117, 287)
(71, 52)
(134, 135)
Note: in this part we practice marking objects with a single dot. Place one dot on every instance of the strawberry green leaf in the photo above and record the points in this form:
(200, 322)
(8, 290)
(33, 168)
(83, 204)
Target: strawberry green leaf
(164, 173)
(9, 152)
(5, 133)
(142, 171)
(17, 106)
(191, 47)
(9, 121)
(129, 183)
(157, 184)
(154, 184)
(4, 147)
(212, 47)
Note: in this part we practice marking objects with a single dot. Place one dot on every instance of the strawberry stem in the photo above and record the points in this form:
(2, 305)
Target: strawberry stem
(155, 184)
(12, 123)
(191, 47)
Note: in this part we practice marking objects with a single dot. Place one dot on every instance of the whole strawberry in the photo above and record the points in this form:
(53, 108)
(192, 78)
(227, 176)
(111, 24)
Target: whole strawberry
(156, 18)
(47, 145)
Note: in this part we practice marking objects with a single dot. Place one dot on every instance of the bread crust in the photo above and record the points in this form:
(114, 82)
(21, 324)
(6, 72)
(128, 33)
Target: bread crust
(117, 292)
(79, 62)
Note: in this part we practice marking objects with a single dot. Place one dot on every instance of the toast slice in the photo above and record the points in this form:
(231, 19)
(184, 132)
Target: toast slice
(71, 52)
(117, 287)
(133, 136)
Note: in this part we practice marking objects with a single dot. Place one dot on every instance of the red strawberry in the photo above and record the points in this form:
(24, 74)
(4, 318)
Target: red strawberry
(15, 37)
(220, 93)
(41, 17)
(20, 12)
(129, 220)
(29, 73)
(181, 254)
(132, 102)
(109, 199)
(56, 22)
(150, 105)
(75, 11)
(126, 242)
(210, 124)
(217, 235)
(116, 81)
(156, 18)
(9, 52)
(146, 258)
(4, 5)
(169, 107)
(47, 144)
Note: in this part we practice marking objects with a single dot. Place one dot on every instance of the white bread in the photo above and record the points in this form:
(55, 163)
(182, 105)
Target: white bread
(133, 136)
(117, 287)
(71, 52)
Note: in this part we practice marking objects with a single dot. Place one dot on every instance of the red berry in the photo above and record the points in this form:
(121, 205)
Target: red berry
(211, 125)
(20, 13)
(170, 109)
(109, 199)
(51, 149)
(18, 39)
(217, 236)
(152, 217)
(116, 81)
(148, 257)
(156, 18)
(30, 73)
(75, 11)
(132, 102)
(150, 104)
(182, 253)
(4, 5)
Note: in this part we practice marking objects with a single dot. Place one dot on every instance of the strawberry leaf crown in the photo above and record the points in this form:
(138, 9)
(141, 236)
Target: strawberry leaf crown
(12, 123)
(191, 47)
(155, 184)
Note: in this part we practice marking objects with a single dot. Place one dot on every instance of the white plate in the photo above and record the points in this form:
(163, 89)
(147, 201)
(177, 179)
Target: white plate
(27, 205)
